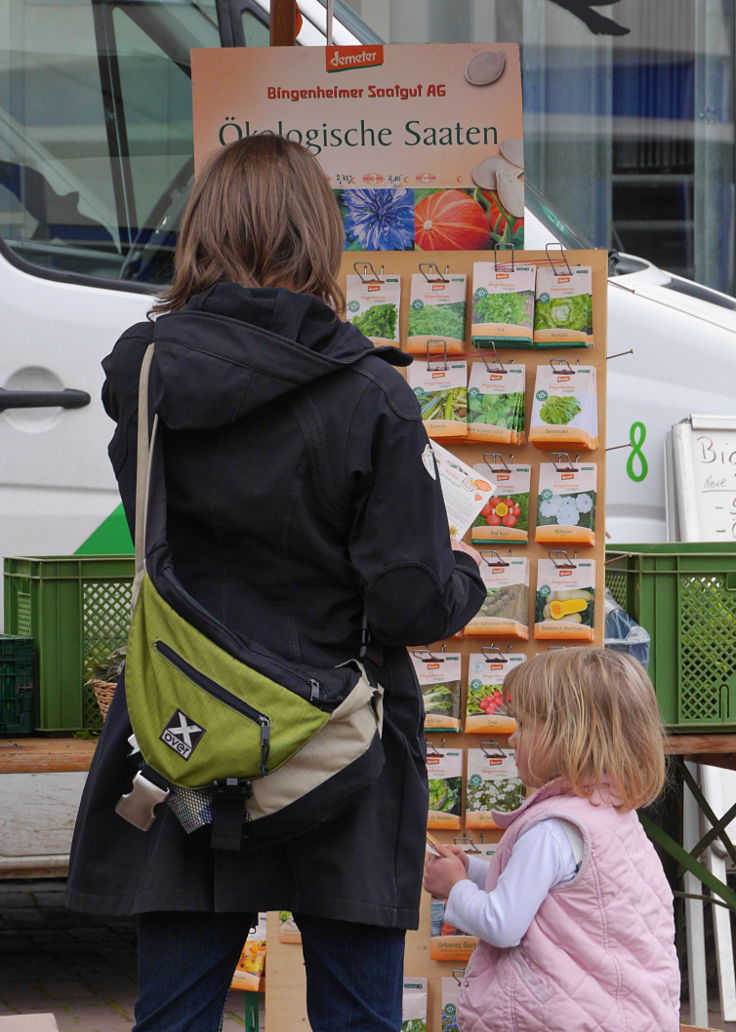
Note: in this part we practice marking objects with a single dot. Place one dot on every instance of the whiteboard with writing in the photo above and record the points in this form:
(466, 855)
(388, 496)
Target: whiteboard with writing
(704, 453)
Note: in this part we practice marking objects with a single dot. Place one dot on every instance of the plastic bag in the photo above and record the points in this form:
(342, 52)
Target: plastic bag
(624, 634)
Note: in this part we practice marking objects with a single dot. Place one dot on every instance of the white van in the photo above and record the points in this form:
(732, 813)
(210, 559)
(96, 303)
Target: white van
(86, 238)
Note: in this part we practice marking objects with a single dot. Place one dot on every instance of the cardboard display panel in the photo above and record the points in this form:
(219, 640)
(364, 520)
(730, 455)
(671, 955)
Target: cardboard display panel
(285, 1007)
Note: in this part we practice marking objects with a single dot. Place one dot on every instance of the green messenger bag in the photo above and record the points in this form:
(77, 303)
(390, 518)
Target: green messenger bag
(224, 731)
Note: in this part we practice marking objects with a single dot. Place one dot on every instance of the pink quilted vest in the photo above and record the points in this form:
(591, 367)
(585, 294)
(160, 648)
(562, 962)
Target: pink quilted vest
(599, 955)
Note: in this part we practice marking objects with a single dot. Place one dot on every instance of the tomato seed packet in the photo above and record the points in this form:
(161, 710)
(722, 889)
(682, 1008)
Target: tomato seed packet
(465, 490)
(493, 784)
(505, 610)
(503, 305)
(414, 1005)
(441, 387)
(496, 404)
(374, 307)
(440, 680)
(566, 504)
(504, 519)
(437, 310)
(484, 706)
(565, 600)
(565, 407)
(563, 308)
(445, 774)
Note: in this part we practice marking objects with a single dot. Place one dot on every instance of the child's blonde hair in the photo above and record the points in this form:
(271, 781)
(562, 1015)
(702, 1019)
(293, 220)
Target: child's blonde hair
(595, 717)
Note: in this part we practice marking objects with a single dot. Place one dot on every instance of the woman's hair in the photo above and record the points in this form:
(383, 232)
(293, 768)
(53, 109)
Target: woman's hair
(595, 717)
(261, 214)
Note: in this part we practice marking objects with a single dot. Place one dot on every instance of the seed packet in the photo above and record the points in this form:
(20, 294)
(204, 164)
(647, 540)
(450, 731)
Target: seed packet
(440, 680)
(565, 407)
(493, 784)
(437, 310)
(414, 1005)
(496, 403)
(565, 600)
(250, 967)
(504, 519)
(288, 928)
(447, 942)
(505, 611)
(566, 503)
(503, 305)
(563, 310)
(450, 989)
(441, 387)
(374, 306)
(465, 490)
(445, 774)
(484, 707)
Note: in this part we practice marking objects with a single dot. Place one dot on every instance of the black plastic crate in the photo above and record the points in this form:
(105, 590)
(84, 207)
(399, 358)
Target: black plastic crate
(16, 685)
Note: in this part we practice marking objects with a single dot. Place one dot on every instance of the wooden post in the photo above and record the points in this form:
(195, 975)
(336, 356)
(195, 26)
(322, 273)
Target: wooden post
(284, 23)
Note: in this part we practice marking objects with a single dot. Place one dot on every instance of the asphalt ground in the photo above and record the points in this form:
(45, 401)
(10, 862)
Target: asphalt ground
(79, 967)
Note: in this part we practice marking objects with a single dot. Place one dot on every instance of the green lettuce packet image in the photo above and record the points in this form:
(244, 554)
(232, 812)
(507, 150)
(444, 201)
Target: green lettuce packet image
(437, 314)
(503, 305)
(563, 307)
(374, 307)
(564, 406)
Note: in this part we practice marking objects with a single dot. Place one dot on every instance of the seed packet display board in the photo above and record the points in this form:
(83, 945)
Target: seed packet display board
(285, 981)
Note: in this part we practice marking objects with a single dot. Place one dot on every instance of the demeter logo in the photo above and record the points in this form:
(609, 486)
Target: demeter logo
(341, 59)
(182, 734)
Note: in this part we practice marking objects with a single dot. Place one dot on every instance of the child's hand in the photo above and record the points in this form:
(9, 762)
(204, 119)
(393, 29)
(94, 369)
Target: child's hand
(441, 873)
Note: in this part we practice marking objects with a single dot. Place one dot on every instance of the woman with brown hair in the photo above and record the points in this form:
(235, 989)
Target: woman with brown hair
(303, 503)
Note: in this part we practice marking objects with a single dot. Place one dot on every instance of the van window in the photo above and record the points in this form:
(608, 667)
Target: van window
(95, 132)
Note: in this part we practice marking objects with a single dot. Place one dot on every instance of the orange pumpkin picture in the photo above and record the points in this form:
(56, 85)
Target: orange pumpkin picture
(450, 220)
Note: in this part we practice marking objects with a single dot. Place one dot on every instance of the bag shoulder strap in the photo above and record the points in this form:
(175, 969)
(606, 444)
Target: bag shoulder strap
(144, 453)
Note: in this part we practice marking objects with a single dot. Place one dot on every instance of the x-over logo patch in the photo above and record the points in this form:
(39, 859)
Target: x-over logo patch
(182, 734)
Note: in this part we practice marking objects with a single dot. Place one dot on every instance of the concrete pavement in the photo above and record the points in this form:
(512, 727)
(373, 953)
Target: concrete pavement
(78, 967)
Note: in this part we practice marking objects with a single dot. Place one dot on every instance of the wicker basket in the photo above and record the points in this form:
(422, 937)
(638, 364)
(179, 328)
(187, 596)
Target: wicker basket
(104, 692)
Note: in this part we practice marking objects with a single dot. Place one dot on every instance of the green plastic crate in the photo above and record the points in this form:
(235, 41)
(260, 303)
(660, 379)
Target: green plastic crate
(16, 685)
(77, 610)
(685, 596)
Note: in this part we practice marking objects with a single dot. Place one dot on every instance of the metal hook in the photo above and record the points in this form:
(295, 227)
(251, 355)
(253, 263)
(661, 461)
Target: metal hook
(563, 362)
(472, 847)
(619, 354)
(431, 357)
(561, 559)
(425, 655)
(439, 278)
(492, 745)
(458, 974)
(561, 462)
(493, 654)
(551, 260)
(499, 561)
(364, 278)
(431, 749)
(498, 463)
(495, 257)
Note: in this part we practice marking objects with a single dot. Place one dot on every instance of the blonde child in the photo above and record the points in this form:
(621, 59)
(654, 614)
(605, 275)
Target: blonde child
(573, 913)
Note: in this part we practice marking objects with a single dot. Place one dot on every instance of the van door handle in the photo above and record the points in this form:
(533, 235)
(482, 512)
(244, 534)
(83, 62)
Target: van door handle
(69, 398)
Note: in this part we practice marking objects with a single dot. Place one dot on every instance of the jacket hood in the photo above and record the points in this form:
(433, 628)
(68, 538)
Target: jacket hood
(234, 349)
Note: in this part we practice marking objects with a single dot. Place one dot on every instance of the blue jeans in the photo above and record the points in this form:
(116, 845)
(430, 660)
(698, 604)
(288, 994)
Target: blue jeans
(186, 961)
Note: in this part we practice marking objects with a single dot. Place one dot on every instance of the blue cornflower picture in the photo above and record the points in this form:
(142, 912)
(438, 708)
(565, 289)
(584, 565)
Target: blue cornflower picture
(378, 220)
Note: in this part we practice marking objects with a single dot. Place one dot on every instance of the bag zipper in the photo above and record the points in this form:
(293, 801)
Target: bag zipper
(222, 694)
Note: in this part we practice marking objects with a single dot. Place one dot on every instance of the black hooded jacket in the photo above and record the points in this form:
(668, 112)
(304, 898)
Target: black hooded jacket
(301, 495)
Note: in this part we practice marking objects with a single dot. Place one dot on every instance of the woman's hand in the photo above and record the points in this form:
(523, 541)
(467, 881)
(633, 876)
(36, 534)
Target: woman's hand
(442, 872)
(460, 546)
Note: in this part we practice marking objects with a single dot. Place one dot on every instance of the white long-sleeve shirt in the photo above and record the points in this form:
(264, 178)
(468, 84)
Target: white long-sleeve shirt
(546, 855)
